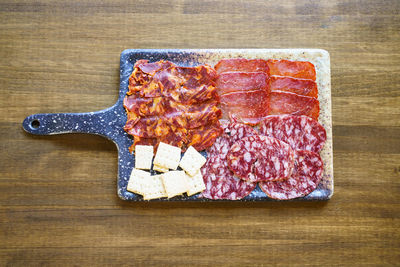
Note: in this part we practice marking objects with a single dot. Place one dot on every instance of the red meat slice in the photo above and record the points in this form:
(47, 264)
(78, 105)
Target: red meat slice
(293, 104)
(298, 86)
(249, 107)
(241, 81)
(296, 69)
(241, 65)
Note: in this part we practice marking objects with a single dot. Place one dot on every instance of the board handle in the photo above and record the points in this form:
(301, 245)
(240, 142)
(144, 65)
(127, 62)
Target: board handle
(105, 122)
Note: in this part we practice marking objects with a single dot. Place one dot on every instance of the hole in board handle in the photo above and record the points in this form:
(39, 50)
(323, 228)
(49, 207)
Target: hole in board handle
(35, 124)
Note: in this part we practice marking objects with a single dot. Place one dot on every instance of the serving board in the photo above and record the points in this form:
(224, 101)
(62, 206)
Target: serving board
(110, 122)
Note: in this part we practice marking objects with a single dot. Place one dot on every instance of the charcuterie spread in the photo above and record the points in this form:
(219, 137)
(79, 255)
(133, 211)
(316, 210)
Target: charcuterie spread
(255, 119)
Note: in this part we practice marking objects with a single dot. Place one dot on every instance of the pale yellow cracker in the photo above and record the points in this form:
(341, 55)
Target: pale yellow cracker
(153, 187)
(143, 157)
(196, 184)
(135, 184)
(159, 168)
(192, 161)
(167, 156)
(175, 183)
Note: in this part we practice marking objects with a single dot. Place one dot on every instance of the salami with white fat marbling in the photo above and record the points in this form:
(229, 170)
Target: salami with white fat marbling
(220, 181)
(300, 132)
(306, 176)
(260, 158)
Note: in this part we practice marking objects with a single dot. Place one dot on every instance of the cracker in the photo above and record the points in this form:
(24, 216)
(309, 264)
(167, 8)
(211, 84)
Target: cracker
(159, 168)
(175, 183)
(135, 184)
(153, 187)
(167, 156)
(192, 161)
(196, 184)
(143, 157)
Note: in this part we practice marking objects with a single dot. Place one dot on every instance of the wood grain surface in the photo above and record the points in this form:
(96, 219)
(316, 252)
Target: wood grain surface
(58, 201)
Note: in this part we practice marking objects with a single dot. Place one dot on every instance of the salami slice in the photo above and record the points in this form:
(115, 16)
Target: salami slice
(220, 182)
(238, 131)
(242, 65)
(306, 176)
(260, 158)
(294, 104)
(300, 132)
(297, 69)
(298, 86)
(229, 82)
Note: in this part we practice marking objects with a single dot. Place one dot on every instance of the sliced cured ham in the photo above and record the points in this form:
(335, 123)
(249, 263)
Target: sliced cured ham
(306, 176)
(249, 107)
(229, 82)
(260, 158)
(296, 69)
(300, 132)
(298, 86)
(293, 104)
(241, 65)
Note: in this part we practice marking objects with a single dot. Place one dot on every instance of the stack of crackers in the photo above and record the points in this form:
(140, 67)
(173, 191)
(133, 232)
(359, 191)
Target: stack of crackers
(171, 182)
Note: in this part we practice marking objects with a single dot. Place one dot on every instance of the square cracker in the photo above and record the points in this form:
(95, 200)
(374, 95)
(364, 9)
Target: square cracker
(143, 157)
(136, 181)
(175, 183)
(196, 184)
(192, 161)
(159, 168)
(167, 156)
(153, 187)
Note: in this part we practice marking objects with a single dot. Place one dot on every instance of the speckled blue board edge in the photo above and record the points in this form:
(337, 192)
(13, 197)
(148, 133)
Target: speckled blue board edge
(109, 122)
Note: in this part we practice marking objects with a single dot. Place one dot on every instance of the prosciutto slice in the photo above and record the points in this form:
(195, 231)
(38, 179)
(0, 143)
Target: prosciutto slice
(241, 65)
(229, 82)
(298, 86)
(248, 107)
(293, 104)
(296, 69)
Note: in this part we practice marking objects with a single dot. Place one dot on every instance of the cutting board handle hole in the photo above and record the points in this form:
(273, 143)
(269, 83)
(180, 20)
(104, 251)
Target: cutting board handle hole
(35, 124)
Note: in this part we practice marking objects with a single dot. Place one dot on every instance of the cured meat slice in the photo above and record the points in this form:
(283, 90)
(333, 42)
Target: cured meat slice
(220, 182)
(249, 107)
(300, 132)
(203, 137)
(144, 106)
(183, 84)
(306, 176)
(297, 69)
(225, 186)
(260, 158)
(242, 65)
(241, 81)
(294, 104)
(298, 86)
(154, 126)
(143, 73)
(193, 116)
(237, 131)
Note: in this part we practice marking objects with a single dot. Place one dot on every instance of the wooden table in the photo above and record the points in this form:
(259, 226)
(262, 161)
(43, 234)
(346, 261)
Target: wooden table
(58, 193)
